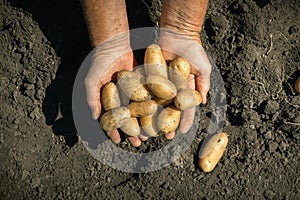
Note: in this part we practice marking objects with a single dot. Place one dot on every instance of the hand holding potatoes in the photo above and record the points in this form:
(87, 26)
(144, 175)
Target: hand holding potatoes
(141, 94)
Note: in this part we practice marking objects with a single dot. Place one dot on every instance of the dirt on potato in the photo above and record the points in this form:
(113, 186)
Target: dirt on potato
(255, 45)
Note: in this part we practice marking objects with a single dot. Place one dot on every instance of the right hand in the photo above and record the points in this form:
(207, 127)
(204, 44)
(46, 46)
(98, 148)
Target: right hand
(108, 58)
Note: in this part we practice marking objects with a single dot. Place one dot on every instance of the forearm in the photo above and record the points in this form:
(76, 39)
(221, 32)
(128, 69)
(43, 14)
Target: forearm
(184, 16)
(105, 18)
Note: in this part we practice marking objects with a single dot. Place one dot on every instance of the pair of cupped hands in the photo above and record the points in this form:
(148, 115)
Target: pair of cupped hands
(115, 54)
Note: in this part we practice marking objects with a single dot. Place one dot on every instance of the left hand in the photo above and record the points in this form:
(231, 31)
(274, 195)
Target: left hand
(175, 44)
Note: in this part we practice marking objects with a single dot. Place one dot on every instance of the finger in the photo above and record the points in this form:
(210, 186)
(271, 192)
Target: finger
(170, 136)
(134, 140)
(202, 85)
(187, 120)
(114, 136)
(93, 97)
(143, 136)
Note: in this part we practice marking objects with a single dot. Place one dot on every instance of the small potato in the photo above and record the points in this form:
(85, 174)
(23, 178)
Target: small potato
(114, 118)
(110, 97)
(212, 151)
(143, 108)
(149, 126)
(187, 98)
(168, 120)
(179, 72)
(297, 85)
(161, 87)
(131, 127)
(155, 63)
(130, 83)
(163, 102)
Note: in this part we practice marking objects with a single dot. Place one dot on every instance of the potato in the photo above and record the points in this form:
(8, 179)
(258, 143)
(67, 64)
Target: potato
(168, 120)
(149, 126)
(187, 98)
(131, 127)
(114, 118)
(163, 102)
(212, 151)
(110, 97)
(154, 61)
(161, 87)
(130, 84)
(143, 108)
(297, 85)
(179, 72)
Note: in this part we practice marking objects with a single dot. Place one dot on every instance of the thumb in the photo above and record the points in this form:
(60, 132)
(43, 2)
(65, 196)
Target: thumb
(93, 98)
(202, 85)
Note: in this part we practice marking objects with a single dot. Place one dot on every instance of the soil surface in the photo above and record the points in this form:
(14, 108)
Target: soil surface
(255, 45)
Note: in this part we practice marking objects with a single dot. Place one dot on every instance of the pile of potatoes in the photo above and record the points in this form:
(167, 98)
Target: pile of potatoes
(151, 97)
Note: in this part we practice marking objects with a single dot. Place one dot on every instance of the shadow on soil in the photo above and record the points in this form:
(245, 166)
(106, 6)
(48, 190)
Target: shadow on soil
(64, 26)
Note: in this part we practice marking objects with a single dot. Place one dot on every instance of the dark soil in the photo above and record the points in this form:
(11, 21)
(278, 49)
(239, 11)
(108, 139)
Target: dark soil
(255, 45)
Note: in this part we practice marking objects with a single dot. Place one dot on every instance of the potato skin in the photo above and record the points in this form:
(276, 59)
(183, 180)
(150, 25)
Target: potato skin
(297, 85)
(212, 151)
(155, 63)
(130, 83)
(168, 120)
(110, 96)
(187, 98)
(143, 108)
(161, 87)
(149, 125)
(114, 118)
(163, 102)
(179, 72)
(131, 127)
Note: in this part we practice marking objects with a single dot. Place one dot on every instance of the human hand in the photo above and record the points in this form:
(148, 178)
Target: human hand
(176, 44)
(108, 58)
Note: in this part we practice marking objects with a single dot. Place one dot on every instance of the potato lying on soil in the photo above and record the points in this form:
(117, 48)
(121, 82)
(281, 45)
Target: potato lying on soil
(187, 98)
(143, 108)
(114, 118)
(110, 96)
(131, 127)
(149, 125)
(154, 61)
(168, 120)
(297, 85)
(212, 151)
(130, 84)
(179, 72)
(161, 87)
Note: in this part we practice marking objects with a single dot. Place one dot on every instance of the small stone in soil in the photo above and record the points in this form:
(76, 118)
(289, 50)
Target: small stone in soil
(271, 107)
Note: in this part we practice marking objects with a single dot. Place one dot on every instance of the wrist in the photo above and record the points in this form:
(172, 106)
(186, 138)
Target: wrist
(117, 44)
(184, 17)
(104, 19)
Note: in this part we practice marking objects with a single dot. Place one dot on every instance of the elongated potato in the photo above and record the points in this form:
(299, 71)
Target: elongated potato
(163, 102)
(212, 151)
(114, 118)
(110, 97)
(161, 87)
(297, 85)
(168, 120)
(149, 125)
(179, 72)
(130, 83)
(143, 108)
(131, 127)
(187, 98)
(154, 61)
